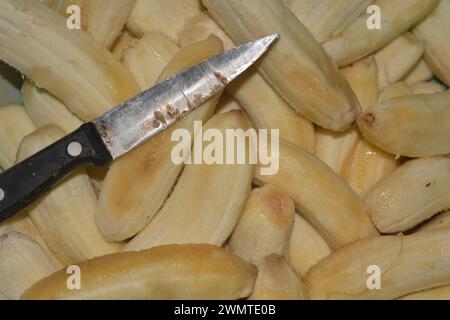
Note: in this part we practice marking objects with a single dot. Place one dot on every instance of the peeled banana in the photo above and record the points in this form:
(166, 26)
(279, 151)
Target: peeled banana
(398, 58)
(325, 18)
(439, 221)
(411, 194)
(64, 62)
(277, 280)
(321, 196)
(413, 126)
(43, 108)
(358, 40)
(420, 73)
(165, 272)
(103, 19)
(306, 246)
(22, 263)
(434, 32)
(66, 216)
(138, 183)
(427, 87)
(395, 265)
(396, 90)
(122, 43)
(168, 17)
(264, 107)
(208, 199)
(147, 57)
(296, 66)
(265, 225)
(441, 293)
(14, 125)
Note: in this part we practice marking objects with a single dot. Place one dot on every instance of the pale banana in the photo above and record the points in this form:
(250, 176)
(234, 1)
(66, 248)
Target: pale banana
(367, 164)
(44, 108)
(23, 224)
(138, 183)
(412, 193)
(434, 32)
(207, 200)
(336, 148)
(439, 221)
(66, 216)
(395, 60)
(147, 57)
(320, 195)
(103, 19)
(399, 89)
(227, 103)
(265, 225)
(165, 272)
(277, 280)
(420, 73)
(23, 262)
(306, 246)
(427, 87)
(405, 264)
(14, 125)
(441, 293)
(413, 126)
(296, 66)
(265, 108)
(358, 40)
(325, 18)
(64, 62)
(168, 17)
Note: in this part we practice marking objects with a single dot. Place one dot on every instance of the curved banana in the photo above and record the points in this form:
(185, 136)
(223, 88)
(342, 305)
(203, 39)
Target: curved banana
(297, 66)
(420, 73)
(402, 264)
(265, 225)
(207, 200)
(165, 272)
(412, 193)
(413, 126)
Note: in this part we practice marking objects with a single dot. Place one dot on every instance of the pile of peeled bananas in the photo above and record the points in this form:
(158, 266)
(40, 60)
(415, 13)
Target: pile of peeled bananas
(358, 90)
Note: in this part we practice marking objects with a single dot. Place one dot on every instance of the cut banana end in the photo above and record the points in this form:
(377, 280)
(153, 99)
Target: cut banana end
(23, 262)
(320, 195)
(122, 43)
(358, 40)
(420, 73)
(165, 272)
(64, 62)
(103, 19)
(296, 66)
(413, 126)
(397, 265)
(306, 246)
(227, 103)
(265, 225)
(208, 199)
(167, 17)
(434, 32)
(410, 195)
(277, 280)
(66, 216)
(326, 18)
(138, 183)
(264, 107)
(147, 57)
(14, 125)
(43, 108)
(398, 58)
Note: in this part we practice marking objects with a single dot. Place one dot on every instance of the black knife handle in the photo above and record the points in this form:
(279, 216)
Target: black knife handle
(29, 179)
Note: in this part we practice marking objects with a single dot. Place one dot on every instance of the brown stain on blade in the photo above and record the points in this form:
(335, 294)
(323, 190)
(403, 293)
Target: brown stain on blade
(222, 79)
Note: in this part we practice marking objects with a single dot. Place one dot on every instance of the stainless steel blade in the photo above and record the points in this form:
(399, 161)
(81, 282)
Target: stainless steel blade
(142, 117)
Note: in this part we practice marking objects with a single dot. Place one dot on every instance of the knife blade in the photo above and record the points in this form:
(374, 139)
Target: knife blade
(126, 126)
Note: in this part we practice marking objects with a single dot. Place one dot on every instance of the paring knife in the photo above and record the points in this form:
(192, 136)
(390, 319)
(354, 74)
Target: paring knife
(126, 126)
